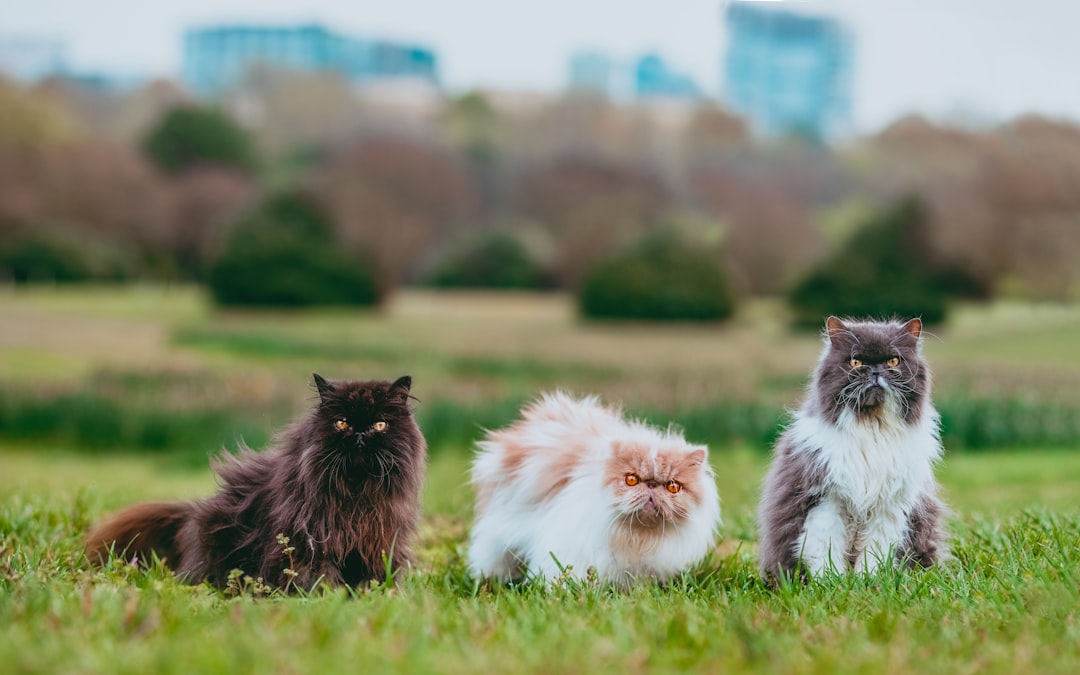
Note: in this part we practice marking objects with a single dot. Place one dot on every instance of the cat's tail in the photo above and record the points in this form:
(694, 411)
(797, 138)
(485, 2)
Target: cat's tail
(138, 531)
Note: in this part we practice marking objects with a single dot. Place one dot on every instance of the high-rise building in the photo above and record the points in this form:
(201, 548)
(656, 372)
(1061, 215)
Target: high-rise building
(646, 77)
(217, 57)
(592, 72)
(653, 78)
(788, 72)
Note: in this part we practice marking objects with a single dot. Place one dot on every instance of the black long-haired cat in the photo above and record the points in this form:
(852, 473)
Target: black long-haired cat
(342, 483)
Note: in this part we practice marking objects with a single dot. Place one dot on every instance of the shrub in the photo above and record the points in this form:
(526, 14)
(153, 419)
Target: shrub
(48, 255)
(190, 136)
(496, 260)
(38, 258)
(286, 254)
(661, 278)
(885, 269)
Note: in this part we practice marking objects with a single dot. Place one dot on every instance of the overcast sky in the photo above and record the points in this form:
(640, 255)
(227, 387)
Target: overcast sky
(976, 59)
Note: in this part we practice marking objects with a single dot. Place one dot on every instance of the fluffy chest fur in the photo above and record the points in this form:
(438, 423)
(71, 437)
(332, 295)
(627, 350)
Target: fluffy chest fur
(871, 465)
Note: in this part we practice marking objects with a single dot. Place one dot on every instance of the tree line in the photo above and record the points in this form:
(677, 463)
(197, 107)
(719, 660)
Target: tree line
(347, 198)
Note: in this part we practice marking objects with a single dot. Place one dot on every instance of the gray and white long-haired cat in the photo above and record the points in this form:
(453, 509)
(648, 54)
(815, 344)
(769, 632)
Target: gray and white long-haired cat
(851, 484)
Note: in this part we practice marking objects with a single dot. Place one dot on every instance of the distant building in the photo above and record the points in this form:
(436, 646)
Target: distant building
(789, 73)
(30, 59)
(217, 57)
(647, 77)
(654, 79)
(592, 72)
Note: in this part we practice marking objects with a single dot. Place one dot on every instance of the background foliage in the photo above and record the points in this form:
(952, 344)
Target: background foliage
(660, 278)
(162, 184)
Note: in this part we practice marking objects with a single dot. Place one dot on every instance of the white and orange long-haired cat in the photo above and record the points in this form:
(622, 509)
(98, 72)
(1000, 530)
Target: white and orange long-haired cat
(573, 485)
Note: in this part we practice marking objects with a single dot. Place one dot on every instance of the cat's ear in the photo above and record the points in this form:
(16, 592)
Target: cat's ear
(402, 385)
(914, 328)
(697, 457)
(322, 385)
(834, 328)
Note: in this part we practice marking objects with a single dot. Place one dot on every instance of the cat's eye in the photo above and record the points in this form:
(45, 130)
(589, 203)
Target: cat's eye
(674, 486)
(855, 363)
(893, 362)
(379, 426)
(341, 425)
(632, 479)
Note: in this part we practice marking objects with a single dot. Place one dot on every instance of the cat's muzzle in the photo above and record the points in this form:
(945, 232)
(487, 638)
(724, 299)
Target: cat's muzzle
(873, 393)
(649, 513)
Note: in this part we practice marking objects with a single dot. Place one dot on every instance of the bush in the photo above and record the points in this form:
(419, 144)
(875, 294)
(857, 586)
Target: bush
(45, 255)
(660, 279)
(38, 258)
(190, 136)
(885, 269)
(286, 254)
(494, 261)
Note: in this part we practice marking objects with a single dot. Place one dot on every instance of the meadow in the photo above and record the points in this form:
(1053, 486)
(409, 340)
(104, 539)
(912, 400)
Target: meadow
(108, 396)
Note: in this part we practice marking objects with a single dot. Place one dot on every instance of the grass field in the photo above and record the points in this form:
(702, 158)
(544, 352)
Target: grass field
(1008, 602)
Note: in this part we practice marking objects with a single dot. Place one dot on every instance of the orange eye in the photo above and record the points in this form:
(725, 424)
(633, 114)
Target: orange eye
(341, 425)
(893, 362)
(673, 487)
(855, 363)
(632, 479)
(379, 426)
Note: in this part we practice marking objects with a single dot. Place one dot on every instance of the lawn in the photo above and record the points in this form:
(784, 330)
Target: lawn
(1008, 601)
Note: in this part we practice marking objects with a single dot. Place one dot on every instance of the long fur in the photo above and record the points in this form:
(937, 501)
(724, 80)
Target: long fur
(552, 497)
(851, 485)
(342, 483)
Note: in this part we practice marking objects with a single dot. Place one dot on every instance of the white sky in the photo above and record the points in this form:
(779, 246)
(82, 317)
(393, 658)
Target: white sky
(986, 59)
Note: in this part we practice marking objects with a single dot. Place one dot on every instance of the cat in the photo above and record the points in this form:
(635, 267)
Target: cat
(851, 485)
(342, 483)
(574, 486)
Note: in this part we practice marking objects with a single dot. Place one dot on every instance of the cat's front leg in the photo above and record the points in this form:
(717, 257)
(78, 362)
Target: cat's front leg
(924, 541)
(489, 555)
(881, 539)
(823, 545)
(309, 577)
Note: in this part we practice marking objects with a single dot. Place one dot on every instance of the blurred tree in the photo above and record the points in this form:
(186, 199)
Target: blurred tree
(206, 204)
(592, 208)
(30, 122)
(286, 253)
(661, 278)
(1002, 203)
(395, 198)
(189, 137)
(118, 115)
(43, 256)
(711, 132)
(474, 127)
(770, 240)
(885, 269)
(289, 111)
(92, 194)
(495, 260)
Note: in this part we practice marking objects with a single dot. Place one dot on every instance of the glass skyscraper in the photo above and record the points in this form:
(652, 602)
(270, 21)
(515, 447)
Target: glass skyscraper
(788, 72)
(215, 58)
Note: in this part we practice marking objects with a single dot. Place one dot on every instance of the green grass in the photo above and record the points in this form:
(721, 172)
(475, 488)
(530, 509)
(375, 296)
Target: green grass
(114, 395)
(1008, 602)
